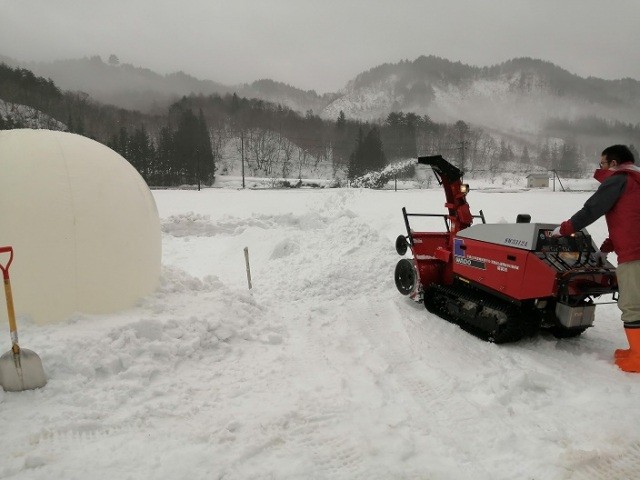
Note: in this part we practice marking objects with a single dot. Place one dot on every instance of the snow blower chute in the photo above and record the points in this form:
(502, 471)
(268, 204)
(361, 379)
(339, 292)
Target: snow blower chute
(503, 281)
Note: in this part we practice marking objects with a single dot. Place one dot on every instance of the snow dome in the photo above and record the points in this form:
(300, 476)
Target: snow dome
(82, 222)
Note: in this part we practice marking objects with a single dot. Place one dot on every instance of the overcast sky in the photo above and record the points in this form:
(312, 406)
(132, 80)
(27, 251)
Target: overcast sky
(323, 44)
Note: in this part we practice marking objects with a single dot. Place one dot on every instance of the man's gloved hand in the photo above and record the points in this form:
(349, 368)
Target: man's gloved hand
(565, 229)
(607, 246)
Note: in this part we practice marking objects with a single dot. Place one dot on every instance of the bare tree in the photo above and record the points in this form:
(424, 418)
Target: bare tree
(286, 149)
(219, 134)
(302, 161)
(262, 148)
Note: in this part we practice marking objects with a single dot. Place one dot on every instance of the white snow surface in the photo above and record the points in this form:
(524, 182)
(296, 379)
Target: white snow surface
(322, 370)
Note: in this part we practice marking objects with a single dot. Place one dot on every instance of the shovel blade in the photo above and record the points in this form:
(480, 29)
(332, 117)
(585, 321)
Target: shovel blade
(20, 372)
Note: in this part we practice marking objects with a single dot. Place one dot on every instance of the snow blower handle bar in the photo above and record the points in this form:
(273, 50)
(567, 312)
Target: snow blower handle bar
(5, 268)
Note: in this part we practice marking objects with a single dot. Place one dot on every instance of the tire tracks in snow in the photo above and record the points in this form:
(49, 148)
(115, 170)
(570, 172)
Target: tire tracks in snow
(603, 466)
(414, 381)
(466, 387)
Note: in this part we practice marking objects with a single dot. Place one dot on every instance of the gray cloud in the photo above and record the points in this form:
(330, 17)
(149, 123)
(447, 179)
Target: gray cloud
(321, 45)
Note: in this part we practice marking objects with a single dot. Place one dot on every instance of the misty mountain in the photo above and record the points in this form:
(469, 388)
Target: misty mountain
(122, 85)
(520, 95)
(279, 141)
(523, 101)
(286, 95)
(136, 88)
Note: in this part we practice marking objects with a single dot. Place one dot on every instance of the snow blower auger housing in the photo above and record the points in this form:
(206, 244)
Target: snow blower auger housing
(502, 281)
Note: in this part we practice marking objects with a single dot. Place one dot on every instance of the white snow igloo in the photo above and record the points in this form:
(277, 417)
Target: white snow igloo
(82, 222)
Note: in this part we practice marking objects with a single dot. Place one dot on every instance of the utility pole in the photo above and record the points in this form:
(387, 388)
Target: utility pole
(463, 130)
(198, 166)
(555, 174)
(242, 153)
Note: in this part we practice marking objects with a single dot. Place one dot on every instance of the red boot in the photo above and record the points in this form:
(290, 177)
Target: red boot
(629, 360)
(621, 353)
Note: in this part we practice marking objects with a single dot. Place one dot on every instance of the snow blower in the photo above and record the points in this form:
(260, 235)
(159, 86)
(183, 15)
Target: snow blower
(501, 281)
(20, 369)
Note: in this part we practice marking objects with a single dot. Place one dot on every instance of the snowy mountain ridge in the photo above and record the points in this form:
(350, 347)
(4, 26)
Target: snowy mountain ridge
(499, 96)
(519, 101)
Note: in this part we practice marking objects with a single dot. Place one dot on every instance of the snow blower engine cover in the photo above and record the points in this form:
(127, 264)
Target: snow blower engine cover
(82, 222)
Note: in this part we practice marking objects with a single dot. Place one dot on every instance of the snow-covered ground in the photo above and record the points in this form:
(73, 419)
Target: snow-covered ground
(322, 370)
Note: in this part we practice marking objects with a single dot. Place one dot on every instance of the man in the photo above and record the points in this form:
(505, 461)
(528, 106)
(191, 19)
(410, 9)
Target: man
(618, 199)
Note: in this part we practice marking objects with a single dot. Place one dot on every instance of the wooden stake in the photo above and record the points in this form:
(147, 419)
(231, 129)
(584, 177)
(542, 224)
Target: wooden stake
(246, 260)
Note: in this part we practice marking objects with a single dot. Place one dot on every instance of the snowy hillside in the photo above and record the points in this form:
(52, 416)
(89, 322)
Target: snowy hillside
(517, 96)
(503, 103)
(322, 370)
(28, 117)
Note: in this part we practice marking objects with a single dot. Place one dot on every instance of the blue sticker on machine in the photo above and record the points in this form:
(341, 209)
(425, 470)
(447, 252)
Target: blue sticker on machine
(460, 256)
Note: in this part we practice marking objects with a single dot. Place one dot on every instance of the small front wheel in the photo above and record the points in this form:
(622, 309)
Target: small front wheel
(405, 276)
(401, 245)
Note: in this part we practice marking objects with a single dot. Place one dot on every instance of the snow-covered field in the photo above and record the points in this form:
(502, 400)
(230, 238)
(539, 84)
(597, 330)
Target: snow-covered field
(322, 370)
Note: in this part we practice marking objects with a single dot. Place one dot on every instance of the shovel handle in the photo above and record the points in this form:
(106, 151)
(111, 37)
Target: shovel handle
(13, 329)
(5, 268)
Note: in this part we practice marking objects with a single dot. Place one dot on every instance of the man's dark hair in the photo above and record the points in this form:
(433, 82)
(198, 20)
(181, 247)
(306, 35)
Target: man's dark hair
(619, 153)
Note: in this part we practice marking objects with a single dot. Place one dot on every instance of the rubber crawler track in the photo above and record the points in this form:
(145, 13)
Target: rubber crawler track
(447, 301)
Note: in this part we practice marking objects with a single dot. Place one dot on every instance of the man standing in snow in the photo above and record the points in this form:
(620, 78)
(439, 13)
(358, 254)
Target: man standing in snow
(618, 199)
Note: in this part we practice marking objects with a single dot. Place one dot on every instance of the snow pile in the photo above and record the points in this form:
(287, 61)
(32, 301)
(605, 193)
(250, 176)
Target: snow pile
(322, 370)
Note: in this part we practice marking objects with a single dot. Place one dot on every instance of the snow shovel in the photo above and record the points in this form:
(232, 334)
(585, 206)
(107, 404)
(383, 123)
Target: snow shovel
(20, 369)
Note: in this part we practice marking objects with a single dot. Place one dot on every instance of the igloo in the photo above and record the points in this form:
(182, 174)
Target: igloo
(82, 222)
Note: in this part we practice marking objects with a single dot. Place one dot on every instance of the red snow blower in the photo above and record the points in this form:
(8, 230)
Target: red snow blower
(503, 281)
(20, 369)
